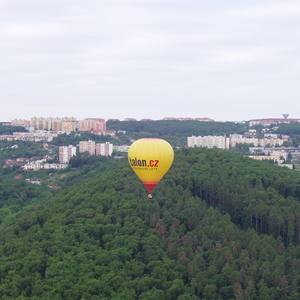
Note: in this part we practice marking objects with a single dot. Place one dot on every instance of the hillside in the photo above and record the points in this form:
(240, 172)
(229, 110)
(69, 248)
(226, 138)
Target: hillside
(293, 130)
(176, 132)
(9, 129)
(100, 238)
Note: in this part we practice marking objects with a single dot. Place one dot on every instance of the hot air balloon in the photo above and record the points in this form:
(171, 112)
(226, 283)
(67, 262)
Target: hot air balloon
(150, 159)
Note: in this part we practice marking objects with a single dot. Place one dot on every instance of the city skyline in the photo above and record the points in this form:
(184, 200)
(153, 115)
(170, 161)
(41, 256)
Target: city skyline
(20, 120)
(228, 60)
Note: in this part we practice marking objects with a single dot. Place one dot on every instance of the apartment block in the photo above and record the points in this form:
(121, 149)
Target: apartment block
(87, 146)
(223, 142)
(104, 149)
(66, 153)
(97, 126)
(207, 142)
(67, 125)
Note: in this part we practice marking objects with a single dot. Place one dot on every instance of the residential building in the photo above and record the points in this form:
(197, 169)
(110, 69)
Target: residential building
(34, 165)
(69, 126)
(104, 149)
(38, 136)
(97, 126)
(54, 124)
(200, 119)
(274, 158)
(233, 140)
(273, 121)
(207, 142)
(42, 164)
(20, 122)
(204, 119)
(130, 119)
(87, 146)
(66, 153)
(121, 148)
(48, 166)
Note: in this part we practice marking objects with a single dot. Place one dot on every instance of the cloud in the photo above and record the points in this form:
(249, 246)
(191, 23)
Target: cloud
(184, 56)
(267, 10)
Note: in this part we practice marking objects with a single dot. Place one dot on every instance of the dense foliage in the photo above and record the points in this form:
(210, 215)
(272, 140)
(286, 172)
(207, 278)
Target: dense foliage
(16, 193)
(75, 138)
(293, 130)
(8, 129)
(255, 194)
(102, 239)
(13, 150)
(289, 129)
(175, 131)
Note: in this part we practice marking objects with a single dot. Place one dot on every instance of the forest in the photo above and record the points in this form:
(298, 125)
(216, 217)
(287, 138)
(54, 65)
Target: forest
(220, 226)
(17, 149)
(175, 131)
(293, 130)
(9, 129)
(289, 129)
(75, 138)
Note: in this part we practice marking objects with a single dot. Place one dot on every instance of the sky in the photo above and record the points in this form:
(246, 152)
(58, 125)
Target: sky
(228, 60)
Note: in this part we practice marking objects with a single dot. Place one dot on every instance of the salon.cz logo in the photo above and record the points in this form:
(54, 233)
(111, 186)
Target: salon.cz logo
(143, 163)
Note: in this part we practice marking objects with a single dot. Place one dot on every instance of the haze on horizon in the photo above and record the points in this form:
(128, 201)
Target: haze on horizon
(228, 60)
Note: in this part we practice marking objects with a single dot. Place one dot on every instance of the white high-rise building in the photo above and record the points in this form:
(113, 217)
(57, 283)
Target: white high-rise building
(66, 153)
(233, 140)
(207, 141)
(104, 149)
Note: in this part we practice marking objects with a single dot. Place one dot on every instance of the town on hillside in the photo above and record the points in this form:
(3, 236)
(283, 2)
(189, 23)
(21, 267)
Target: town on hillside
(55, 142)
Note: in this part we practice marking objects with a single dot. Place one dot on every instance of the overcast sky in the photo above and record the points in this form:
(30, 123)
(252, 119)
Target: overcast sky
(149, 58)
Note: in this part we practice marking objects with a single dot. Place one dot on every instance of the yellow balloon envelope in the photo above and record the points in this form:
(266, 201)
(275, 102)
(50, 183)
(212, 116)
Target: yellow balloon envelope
(150, 159)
